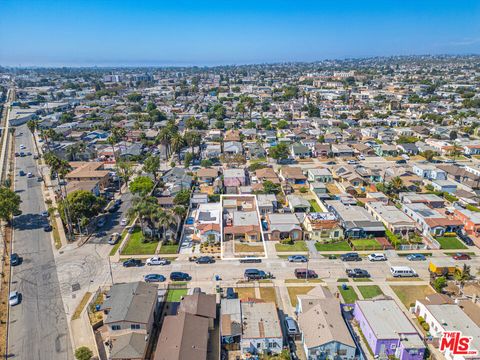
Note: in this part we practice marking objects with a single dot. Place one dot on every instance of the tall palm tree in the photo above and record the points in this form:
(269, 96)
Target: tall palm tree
(164, 138)
(164, 219)
(177, 143)
(179, 212)
(397, 184)
(32, 126)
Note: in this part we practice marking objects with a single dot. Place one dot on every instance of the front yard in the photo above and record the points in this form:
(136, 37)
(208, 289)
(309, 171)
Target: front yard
(293, 291)
(136, 246)
(450, 243)
(366, 244)
(349, 295)
(369, 291)
(297, 246)
(336, 246)
(408, 295)
(168, 249)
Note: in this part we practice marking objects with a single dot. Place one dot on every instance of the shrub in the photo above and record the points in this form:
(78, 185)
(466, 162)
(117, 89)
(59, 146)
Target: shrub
(83, 353)
(449, 234)
(425, 326)
(303, 190)
(287, 241)
(472, 208)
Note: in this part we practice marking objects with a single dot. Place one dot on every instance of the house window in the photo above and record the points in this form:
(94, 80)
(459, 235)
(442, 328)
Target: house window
(393, 346)
(335, 234)
(342, 352)
(135, 326)
(116, 327)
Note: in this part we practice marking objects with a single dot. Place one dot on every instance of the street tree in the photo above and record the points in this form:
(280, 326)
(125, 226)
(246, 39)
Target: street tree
(141, 185)
(151, 165)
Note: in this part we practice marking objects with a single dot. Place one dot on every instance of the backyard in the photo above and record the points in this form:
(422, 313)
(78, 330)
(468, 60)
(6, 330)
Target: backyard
(450, 243)
(136, 246)
(334, 246)
(314, 207)
(175, 295)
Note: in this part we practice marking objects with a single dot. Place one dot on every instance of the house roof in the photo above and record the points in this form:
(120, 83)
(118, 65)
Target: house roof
(130, 302)
(183, 337)
(128, 346)
(260, 320)
(323, 323)
(199, 304)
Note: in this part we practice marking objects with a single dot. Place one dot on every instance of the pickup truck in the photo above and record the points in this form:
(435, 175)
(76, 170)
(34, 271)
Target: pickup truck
(357, 273)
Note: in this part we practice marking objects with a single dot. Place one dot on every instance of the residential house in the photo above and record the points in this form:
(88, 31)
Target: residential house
(298, 204)
(387, 330)
(470, 220)
(267, 203)
(444, 186)
(240, 218)
(324, 332)
(283, 226)
(429, 171)
(230, 323)
(299, 151)
(431, 221)
(207, 223)
(267, 174)
(341, 150)
(319, 175)
(130, 311)
(322, 227)
(89, 171)
(393, 219)
(431, 200)
(442, 318)
(261, 331)
(355, 220)
(232, 147)
(293, 175)
(207, 175)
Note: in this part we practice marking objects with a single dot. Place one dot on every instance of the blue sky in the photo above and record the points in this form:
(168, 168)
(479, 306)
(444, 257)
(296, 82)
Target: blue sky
(157, 32)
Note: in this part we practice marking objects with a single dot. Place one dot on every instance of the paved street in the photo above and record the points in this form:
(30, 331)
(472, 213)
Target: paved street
(38, 325)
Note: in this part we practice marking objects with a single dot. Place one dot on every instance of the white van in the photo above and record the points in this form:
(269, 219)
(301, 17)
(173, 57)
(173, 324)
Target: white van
(403, 271)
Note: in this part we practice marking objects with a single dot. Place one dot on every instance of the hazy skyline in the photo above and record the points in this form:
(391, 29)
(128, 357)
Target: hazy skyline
(133, 33)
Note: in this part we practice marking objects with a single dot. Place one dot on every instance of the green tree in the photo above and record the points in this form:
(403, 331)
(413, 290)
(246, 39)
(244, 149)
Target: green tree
(439, 283)
(282, 124)
(428, 155)
(279, 152)
(134, 97)
(151, 165)
(82, 204)
(141, 185)
(188, 159)
(182, 197)
(83, 353)
(125, 171)
(32, 126)
(9, 203)
(270, 187)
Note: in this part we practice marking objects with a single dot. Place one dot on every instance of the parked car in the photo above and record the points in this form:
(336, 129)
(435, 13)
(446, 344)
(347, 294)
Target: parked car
(21, 173)
(350, 257)
(124, 222)
(132, 263)
(465, 238)
(114, 238)
(357, 273)
(45, 213)
(14, 298)
(30, 175)
(255, 274)
(250, 259)
(154, 278)
(416, 257)
(47, 228)
(461, 256)
(352, 162)
(15, 259)
(377, 257)
(305, 274)
(101, 222)
(291, 326)
(113, 209)
(297, 258)
(230, 293)
(205, 260)
(157, 261)
(179, 276)
(402, 271)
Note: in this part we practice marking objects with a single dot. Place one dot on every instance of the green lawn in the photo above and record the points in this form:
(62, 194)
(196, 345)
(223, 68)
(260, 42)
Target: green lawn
(136, 246)
(349, 296)
(175, 295)
(369, 291)
(337, 246)
(450, 243)
(362, 280)
(366, 244)
(314, 207)
(297, 246)
(168, 249)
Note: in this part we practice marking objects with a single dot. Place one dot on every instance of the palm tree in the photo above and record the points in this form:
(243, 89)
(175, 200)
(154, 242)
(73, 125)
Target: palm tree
(179, 212)
(143, 208)
(164, 138)
(177, 143)
(193, 139)
(125, 170)
(397, 184)
(164, 219)
(32, 126)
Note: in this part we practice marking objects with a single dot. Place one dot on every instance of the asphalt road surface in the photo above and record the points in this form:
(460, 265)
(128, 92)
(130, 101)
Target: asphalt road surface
(38, 325)
(113, 221)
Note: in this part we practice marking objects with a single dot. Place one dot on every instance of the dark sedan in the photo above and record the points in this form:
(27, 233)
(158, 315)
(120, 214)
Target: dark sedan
(132, 263)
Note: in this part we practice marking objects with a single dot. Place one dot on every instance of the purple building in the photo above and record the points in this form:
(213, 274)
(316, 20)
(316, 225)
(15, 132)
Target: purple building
(387, 330)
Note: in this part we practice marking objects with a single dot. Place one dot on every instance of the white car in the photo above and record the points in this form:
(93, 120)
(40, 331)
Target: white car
(377, 257)
(352, 162)
(124, 222)
(361, 157)
(22, 146)
(157, 261)
(14, 298)
(30, 175)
